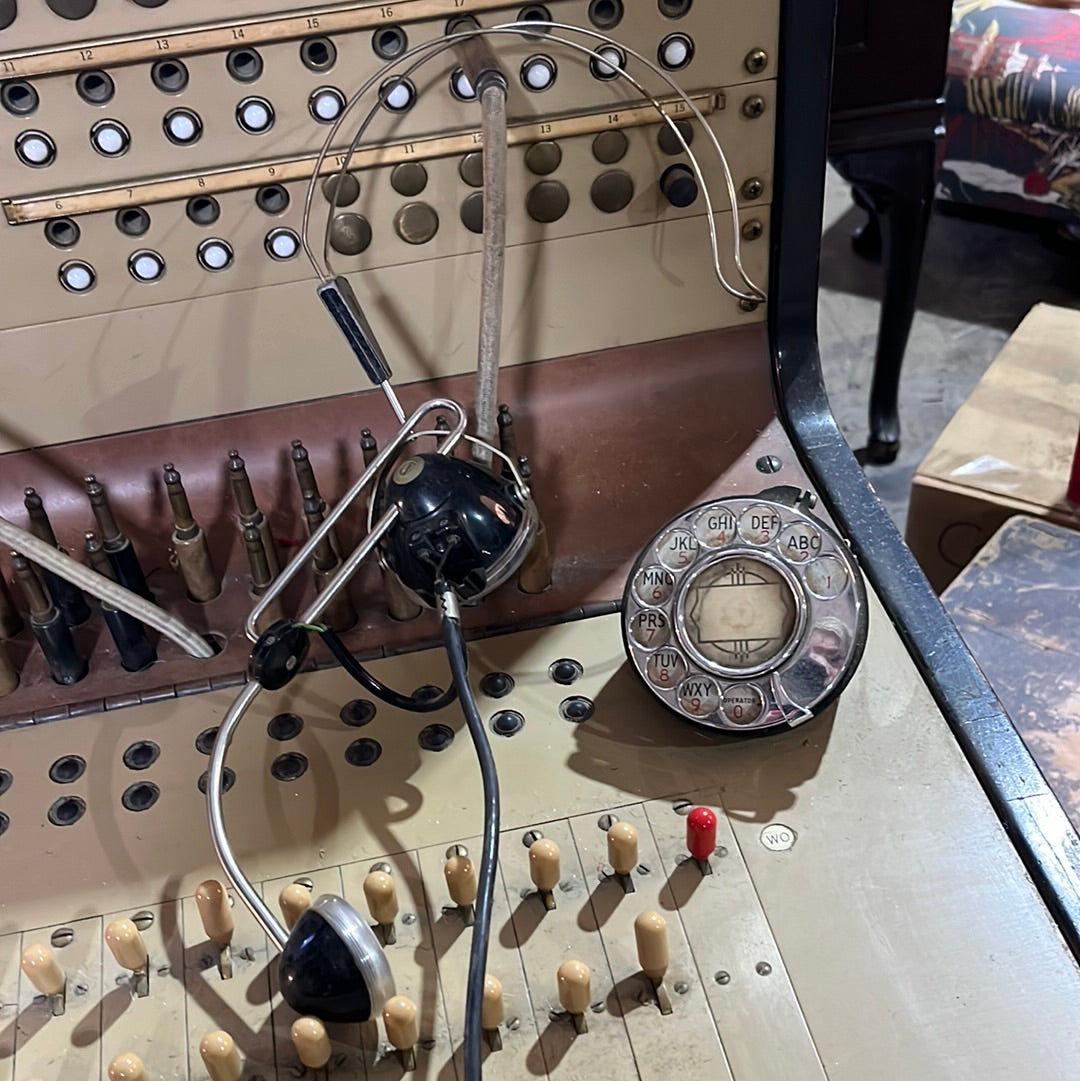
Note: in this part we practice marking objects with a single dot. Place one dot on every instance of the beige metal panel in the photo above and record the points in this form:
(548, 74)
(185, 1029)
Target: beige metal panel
(37, 25)
(452, 940)
(240, 1005)
(38, 297)
(10, 953)
(221, 354)
(547, 940)
(63, 1048)
(414, 964)
(153, 1027)
(686, 1041)
(740, 963)
(287, 85)
(901, 910)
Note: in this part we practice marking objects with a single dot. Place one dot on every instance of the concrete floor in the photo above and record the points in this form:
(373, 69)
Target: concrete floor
(979, 280)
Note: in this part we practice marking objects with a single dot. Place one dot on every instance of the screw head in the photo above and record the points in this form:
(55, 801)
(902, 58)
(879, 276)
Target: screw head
(531, 837)
(756, 61)
(62, 937)
(768, 463)
(748, 305)
(763, 968)
(752, 188)
(722, 978)
(753, 107)
(752, 229)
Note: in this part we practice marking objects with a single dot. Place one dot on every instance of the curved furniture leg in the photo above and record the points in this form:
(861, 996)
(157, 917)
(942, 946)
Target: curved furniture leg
(897, 184)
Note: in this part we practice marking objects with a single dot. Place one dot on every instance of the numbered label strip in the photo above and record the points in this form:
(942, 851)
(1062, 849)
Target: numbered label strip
(745, 614)
(42, 207)
(209, 37)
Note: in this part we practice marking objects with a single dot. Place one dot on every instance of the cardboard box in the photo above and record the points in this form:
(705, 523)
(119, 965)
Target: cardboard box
(1008, 450)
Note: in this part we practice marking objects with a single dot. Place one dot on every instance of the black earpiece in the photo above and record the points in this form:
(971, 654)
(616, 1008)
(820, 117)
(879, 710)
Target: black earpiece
(332, 966)
(458, 523)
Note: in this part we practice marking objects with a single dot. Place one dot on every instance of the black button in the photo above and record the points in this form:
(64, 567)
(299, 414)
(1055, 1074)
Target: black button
(497, 684)
(679, 185)
(565, 671)
(72, 9)
(576, 709)
(507, 722)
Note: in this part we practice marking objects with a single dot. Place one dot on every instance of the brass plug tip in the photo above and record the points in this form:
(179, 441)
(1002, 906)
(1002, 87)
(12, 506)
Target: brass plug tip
(299, 451)
(171, 473)
(252, 537)
(31, 493)
(236, 463)
(312, 504)
(90, 482)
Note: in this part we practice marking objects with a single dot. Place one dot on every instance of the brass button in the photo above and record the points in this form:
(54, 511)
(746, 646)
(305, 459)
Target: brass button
(543, 158)
(347, 186)
(350, 234)
(668, 143)
(409, 178)
(547, 201)
(472, 212)
(416, 223)
(612, 191)
(472, 169)
(609, 147)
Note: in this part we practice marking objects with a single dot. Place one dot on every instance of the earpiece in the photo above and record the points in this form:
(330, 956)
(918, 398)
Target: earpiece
(332, 966)
(457, 523)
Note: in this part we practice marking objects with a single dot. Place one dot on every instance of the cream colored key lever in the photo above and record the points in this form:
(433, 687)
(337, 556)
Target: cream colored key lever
(575, 992)
(128, 1067)
(221, 1057)
(650, 934)
(294, 900)
(381, 896)
(622, 847)
(127, 947)
(402, 1022)
(460, 874)
(545, 870)
(41, 968)
(215, 912)
(311, 1042)
(493, 1012)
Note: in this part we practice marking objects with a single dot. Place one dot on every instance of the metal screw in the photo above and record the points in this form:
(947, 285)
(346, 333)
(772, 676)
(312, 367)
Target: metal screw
(752, 188)
(682, 806)
(763, 968)
(309, 885)
(722, 978)
(514, 1024)
(63, 936)
(408, 918)
(756, 61)
(752, 229)
(531, 838)
(769, 463)
(748, 305)
(143, 920)
(456, 850)
(753, 107)
(721, 851)
(681, 988)
(605, 822)
(643, 869)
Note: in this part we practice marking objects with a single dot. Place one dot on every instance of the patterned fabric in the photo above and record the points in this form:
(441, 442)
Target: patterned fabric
(1012, 138)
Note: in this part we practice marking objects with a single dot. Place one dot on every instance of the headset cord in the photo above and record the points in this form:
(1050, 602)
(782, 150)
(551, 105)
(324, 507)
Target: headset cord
(474, 999)
(354, 668)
